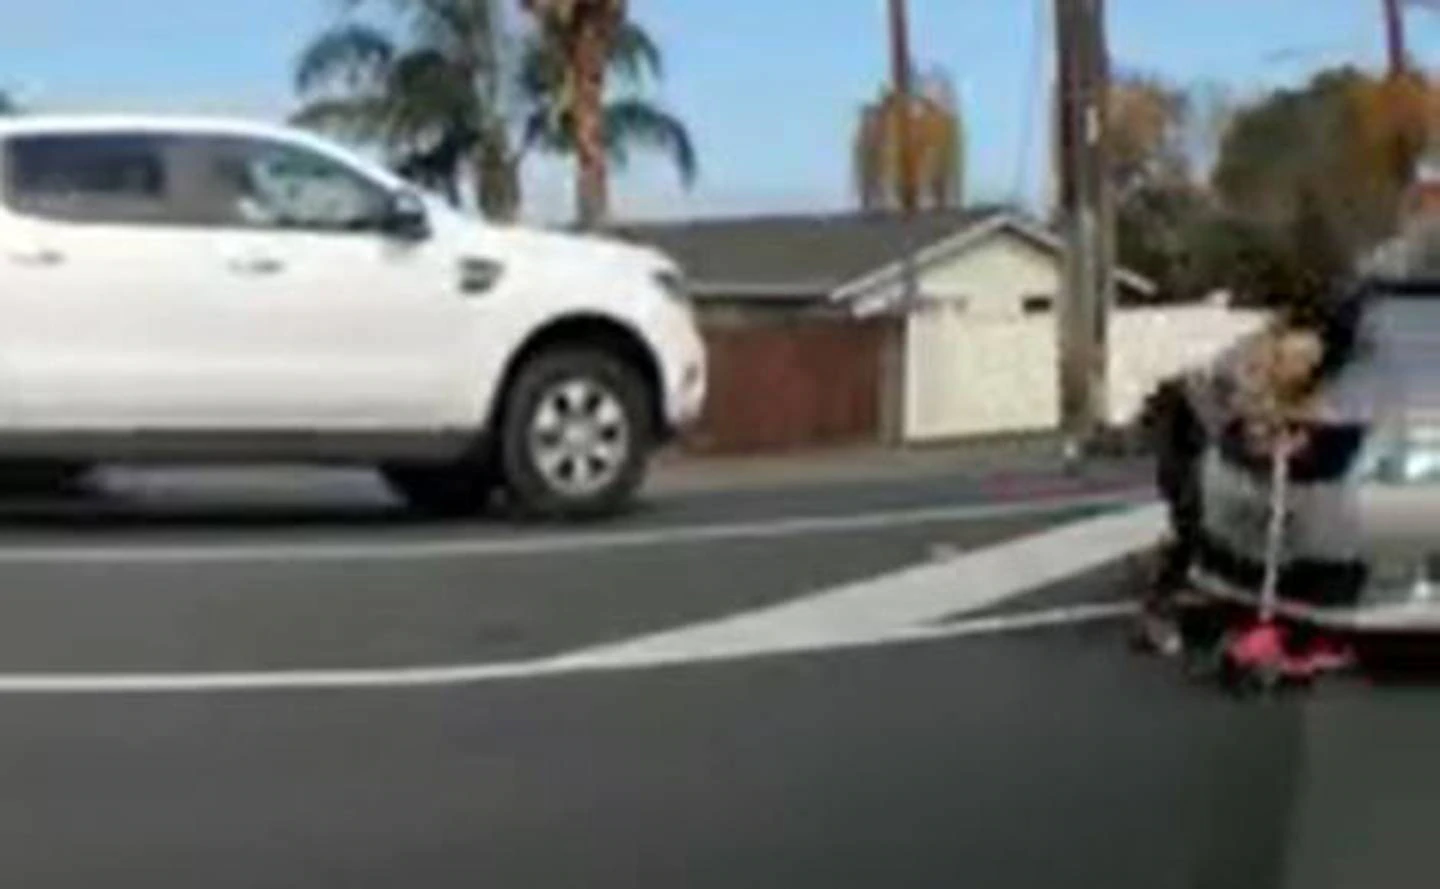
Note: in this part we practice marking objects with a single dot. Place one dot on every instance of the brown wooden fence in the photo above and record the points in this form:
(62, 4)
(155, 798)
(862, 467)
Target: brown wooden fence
(792, 384)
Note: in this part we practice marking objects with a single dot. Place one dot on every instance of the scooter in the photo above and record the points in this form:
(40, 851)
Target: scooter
(1249, 648)
(1256, 656)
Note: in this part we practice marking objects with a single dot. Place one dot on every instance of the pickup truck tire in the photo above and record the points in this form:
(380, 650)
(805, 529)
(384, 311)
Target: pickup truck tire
(575, 434)
(22, 477)
(447, 490)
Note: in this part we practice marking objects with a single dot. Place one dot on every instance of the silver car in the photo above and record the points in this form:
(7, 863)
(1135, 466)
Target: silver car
(1395, 483)
(1400, 478)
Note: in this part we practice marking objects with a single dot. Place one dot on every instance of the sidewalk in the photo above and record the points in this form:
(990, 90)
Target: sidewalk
(1018, 463)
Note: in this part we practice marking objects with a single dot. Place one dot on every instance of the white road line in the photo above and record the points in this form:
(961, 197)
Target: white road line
(1065, 615)
(477, 674)
(910, 598)
(606, 662)
(394, 550)
(910, 606)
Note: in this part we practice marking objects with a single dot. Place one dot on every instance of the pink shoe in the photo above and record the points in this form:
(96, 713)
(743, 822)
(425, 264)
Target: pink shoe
(1259, 647)
(1325, 655)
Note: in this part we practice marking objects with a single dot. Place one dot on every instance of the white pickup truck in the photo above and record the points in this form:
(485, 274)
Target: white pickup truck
(188, 290)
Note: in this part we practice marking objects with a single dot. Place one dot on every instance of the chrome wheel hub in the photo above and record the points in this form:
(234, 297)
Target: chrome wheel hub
(579, 437)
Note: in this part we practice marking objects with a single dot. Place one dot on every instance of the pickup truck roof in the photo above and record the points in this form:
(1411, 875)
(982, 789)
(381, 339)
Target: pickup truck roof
(35, 124)
(92, 124)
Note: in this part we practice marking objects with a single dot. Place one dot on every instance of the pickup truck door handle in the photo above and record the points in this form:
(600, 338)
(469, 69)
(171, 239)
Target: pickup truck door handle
(40, 258)
(257, 265)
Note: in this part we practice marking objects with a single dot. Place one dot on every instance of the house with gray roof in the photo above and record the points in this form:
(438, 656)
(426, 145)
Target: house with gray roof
(813, 340)
(841, 257)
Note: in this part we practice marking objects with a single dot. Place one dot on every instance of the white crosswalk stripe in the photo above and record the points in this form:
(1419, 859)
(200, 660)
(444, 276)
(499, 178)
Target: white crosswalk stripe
(918, 604)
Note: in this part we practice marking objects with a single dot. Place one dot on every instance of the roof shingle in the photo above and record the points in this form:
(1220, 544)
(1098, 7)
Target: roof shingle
(798, 254)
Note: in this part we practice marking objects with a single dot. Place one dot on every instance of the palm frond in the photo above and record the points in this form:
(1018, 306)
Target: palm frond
(430, 79)
(637, 122)
(560, 13)
(541, 131)
(365, 118)
(462, 29)
(352, 52)
(544, 80)
(869, 157)
(541, 71)
(635, 56)
(937, 131)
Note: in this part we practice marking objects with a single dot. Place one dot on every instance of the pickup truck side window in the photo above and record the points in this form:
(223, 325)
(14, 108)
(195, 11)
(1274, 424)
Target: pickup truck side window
(94, 178)
(253, 183)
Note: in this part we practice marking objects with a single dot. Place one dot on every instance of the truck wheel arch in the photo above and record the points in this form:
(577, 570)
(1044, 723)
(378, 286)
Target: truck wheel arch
(595, 332)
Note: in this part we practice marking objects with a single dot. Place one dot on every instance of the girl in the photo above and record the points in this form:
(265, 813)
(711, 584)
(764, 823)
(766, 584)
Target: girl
(1213, 430)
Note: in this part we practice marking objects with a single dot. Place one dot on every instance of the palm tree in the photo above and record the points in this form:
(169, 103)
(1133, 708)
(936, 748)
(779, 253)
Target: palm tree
(582, 33)
(938, 135)
(431, 100)
(628, 120)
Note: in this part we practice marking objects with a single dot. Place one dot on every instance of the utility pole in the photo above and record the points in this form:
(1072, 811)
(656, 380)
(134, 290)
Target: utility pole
(908, 186)
(1395, 50)
(901, 72)
(1403, 156)
(1088, 219)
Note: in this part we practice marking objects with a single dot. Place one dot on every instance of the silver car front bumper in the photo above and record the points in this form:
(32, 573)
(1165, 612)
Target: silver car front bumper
(1399, 511)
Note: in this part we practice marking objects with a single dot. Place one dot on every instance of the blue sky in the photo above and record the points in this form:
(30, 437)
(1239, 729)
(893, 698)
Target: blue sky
(769, 87)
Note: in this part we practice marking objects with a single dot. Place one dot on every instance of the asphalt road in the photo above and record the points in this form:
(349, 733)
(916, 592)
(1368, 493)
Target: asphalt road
(194, 571)
(1026, 759)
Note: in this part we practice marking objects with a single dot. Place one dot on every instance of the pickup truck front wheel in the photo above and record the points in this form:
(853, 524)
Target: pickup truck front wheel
(575, 434)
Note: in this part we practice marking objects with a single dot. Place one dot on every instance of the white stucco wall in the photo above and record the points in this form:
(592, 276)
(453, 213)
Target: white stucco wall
(967, 377)
(975, 364)
(993, 277)
(1147, 345)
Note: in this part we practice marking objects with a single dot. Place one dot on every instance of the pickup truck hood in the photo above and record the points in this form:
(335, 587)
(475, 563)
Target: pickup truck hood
(551, 252)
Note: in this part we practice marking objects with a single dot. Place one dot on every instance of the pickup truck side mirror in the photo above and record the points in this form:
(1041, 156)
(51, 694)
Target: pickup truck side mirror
(405, 217)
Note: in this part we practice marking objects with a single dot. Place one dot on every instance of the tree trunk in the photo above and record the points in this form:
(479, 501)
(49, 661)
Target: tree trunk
(497, 182)
(592, 176)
